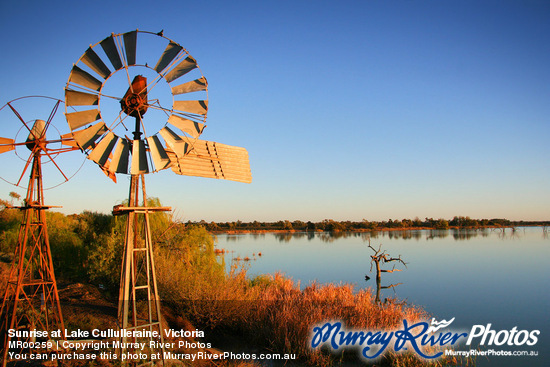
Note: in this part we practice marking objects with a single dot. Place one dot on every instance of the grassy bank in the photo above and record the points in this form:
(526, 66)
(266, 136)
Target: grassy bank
(271, 312)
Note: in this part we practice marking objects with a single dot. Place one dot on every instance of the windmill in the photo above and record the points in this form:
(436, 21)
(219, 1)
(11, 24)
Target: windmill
(115, 96)
(31, 301)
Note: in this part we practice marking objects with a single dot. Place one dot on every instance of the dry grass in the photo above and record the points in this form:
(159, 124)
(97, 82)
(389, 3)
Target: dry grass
(273, 313)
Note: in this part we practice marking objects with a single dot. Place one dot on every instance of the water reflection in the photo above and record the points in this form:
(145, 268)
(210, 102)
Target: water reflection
(233, 237)
(458, 234)
(285, 237)
(331, 236)
(257, 235)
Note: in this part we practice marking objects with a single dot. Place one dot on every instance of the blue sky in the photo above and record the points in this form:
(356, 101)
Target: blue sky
(349, 110)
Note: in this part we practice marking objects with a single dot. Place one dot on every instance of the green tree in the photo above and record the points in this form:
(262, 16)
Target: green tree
(105, 259)
(407, 223)
(441, 224)
(213, 226)
(332, 225)
(298, 224)
(69, 254)
(10, 222)
(188, 268)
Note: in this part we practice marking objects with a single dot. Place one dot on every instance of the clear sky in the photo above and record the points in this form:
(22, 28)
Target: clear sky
(349, 109)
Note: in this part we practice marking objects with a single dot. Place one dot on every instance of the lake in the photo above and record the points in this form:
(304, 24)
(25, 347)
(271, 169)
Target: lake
(478, 276)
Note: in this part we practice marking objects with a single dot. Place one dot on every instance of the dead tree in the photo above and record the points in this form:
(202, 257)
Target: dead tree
(378, 259)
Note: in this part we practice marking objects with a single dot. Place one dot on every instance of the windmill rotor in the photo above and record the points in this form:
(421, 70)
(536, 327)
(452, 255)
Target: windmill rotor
(114, 84)
(32, 122)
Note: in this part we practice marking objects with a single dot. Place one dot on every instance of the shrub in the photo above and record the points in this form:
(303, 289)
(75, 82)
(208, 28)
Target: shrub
(10, 222)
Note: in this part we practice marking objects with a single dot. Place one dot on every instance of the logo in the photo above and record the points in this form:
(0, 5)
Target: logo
(503, 337)
(439, 325)
(427, 340)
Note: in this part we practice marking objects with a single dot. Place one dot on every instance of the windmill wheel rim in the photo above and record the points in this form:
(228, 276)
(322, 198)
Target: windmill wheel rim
(95, 134)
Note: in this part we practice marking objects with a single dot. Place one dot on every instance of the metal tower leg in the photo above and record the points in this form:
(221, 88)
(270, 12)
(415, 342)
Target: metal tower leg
(139, 303)
(31, 302)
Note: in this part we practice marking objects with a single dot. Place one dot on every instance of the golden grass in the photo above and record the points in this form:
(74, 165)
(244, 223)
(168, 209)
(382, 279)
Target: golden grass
(272, 311)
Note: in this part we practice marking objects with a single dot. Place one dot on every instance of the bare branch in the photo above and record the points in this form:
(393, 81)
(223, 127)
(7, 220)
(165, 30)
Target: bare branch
(398, 259)
(391, 286)
(373, 249)
(391, 271)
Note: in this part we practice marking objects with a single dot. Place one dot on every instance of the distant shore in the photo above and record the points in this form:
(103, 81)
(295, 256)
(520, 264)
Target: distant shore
(365, 230)
(365, 225)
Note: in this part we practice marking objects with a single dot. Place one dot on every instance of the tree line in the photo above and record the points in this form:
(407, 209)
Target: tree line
(330, 225)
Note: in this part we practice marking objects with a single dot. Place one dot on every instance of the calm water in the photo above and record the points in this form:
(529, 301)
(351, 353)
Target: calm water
(477, 276)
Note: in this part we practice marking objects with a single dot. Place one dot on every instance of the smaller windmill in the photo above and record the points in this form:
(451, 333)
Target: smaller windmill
(31, 301)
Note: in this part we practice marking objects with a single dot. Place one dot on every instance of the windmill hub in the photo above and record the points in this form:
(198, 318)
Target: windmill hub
(134, 105)
(37, 136)
(134, 102)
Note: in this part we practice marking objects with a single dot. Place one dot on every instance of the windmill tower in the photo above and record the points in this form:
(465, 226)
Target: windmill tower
(111, 111)
(31, 301)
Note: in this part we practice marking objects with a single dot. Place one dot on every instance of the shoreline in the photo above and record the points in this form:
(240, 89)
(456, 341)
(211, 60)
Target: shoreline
(362, 230)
